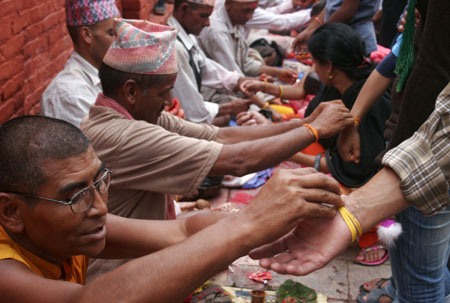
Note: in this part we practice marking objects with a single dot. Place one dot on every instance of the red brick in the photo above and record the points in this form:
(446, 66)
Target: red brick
(11, 67)
(34, 30)
(19, 99)
(55, 35)
(5, 28)
(13, 85)
(51, 20)
(20, 21)
(7, 109)
(38, 13)
(35, 47)
(8, 7)
(13, 46)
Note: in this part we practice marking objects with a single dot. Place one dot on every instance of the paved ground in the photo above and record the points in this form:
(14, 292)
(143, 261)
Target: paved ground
(339, 280)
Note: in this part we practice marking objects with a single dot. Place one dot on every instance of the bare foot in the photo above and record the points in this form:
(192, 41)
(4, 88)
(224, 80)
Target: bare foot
(371, 254)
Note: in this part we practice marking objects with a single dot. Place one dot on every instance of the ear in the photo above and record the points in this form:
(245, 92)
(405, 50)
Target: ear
(86, 35)
(131, 89)
(330, 67)
(11, 212)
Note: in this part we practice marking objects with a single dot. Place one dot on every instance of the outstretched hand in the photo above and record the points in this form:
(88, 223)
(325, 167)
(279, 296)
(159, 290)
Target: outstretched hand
(307, 248)
(348, 145)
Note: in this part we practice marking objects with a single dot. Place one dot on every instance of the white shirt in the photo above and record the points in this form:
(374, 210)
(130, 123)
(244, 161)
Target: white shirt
(212, 74)
(71, 93)
(226, 44)
(279, 18)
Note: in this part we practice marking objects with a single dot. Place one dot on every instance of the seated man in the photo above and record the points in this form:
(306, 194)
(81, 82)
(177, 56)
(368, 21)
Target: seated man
(53, 217)
(153, 153)
(225, 41)
(195, 69)
(75, 88)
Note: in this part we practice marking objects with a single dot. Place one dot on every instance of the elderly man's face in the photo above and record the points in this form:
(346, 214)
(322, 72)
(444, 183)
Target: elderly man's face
(240, 12)
(151, 101)
(195, 18)
(52, 229)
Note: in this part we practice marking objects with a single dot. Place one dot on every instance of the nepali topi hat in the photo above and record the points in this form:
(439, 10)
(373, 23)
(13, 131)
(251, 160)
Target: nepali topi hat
(88, 12)
(142, 47)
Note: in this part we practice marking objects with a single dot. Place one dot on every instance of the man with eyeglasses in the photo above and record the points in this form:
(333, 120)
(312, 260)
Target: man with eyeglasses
(53, 217)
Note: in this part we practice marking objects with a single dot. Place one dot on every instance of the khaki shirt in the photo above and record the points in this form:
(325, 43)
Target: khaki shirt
(148, 161)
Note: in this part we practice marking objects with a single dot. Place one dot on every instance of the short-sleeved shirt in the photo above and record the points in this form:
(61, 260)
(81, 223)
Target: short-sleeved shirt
(71, 93)
(72, 270)
(148, 161)
(361, 22)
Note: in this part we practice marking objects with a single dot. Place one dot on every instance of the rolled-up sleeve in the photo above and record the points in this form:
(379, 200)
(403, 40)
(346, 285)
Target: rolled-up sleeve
(423, 161)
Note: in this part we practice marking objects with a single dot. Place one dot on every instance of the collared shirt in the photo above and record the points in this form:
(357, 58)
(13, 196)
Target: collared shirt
(227, 45)
(72, 91)
(72, 270)
(212, 74)
(423, 161)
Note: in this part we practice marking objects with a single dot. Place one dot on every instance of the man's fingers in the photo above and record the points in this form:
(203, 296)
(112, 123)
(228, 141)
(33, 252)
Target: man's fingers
(310, 178)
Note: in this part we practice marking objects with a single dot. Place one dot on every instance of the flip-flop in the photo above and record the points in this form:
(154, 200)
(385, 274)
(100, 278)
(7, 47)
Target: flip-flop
(374, 296)
(376, 262)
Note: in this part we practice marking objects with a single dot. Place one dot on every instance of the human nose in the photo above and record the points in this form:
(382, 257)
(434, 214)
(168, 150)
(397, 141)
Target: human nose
(99, 205)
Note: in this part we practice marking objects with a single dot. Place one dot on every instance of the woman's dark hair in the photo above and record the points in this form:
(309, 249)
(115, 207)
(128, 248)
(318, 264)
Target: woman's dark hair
(341, 45)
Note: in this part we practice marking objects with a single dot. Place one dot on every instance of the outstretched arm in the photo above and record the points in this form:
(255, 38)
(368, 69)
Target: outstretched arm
(266, 151)
(314, 242)
(287, 198)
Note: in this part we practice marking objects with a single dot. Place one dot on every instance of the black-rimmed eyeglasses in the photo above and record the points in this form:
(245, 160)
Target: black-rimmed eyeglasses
(83, 199)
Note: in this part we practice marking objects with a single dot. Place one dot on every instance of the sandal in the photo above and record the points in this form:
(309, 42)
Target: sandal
(374, 296)
(378, 284)
(376, 262)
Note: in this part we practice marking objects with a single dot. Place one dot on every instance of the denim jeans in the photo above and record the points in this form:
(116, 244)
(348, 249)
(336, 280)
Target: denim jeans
(419, 257)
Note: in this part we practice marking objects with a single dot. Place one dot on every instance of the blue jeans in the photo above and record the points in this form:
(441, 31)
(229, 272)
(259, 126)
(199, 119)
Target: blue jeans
(419, 257)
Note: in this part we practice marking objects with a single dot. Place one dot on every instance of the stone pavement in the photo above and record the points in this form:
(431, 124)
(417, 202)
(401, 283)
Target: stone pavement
(339, 280)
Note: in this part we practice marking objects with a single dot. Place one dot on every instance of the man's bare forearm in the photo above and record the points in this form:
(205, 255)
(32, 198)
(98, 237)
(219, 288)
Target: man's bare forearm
(232, 135)
(377, 200)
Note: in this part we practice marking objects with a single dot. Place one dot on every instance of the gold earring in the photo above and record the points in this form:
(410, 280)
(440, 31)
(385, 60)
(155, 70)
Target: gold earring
(330, 76)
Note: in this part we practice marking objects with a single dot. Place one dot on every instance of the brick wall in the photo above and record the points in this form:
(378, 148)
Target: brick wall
(34, 46)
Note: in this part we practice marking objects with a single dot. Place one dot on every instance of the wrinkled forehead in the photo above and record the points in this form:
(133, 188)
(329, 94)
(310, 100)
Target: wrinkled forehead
(83, 164)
